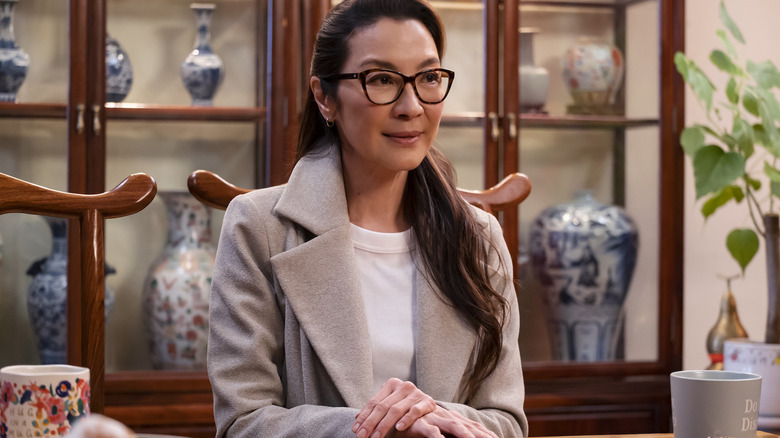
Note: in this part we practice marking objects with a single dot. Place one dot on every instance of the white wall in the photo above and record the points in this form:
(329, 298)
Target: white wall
(705, 250)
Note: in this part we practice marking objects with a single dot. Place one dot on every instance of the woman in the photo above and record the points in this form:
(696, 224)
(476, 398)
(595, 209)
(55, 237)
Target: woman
(365, 297)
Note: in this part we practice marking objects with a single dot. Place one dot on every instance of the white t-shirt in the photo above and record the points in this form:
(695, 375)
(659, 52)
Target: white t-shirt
(388, 282)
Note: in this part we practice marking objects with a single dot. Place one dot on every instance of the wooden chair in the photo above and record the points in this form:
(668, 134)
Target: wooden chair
(86, 321)
(210, 189)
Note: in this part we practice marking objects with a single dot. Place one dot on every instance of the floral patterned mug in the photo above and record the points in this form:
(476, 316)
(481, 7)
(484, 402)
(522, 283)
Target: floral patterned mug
(42, 400)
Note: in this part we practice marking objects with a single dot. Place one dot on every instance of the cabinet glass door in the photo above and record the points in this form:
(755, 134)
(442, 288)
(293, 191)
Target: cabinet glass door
(33, 147)
(614, 151)
(158, 129)
(623, 153)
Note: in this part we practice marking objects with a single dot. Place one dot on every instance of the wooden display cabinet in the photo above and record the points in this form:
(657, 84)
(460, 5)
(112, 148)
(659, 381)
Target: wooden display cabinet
(248, 137)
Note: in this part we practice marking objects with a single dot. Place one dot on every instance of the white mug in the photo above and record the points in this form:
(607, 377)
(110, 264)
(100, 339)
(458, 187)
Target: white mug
(42, 400)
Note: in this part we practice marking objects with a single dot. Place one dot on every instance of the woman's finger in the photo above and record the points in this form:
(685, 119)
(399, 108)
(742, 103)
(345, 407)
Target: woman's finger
(380, 415)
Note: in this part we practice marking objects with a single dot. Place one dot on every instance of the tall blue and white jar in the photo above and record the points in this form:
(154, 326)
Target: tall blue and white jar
(119, 71)
(202, 71)
(583, 255)
(47, 299)
(14, 61)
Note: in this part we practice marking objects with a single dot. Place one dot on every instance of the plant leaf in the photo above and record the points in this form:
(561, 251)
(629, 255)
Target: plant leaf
(729, 23)
(729, 47)
(743, 245)
(760, 135)
(750, 102)
(714, 169)
(681, 62)
(721, 198)
(754, 183)
(743, 133)
(724, 63)
(774, 189)
(771, 172)
(765, 73)
(699, 82)
(731, 91)
(692, 139)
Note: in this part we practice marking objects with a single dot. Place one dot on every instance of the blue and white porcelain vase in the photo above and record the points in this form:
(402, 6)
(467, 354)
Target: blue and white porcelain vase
(177, 289)
(202, 71)
(14, 61)
(583, 255)
(47, 300)
(119, 71)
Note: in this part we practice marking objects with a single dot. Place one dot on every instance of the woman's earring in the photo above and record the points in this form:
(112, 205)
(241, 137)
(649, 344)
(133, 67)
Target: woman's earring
(330, 123)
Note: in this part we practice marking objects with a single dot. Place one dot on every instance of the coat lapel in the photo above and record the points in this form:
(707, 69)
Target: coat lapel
(321, 284)
(445, 343)
(319, 276)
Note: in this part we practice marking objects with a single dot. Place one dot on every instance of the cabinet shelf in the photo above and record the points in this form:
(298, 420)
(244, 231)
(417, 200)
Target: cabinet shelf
(33, 110)
(137, 112)
(132, 111)
(547, 121)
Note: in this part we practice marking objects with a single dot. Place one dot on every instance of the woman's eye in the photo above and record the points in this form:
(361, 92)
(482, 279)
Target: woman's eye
(432, 77)
(380, 79)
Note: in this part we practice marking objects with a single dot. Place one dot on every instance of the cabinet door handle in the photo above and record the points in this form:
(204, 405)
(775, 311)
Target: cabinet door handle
(512, 125)
(96, 119)
(494, 131)
(80, 118)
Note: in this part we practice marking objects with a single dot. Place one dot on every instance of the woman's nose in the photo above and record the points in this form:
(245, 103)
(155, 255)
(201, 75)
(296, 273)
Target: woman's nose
(408, 104)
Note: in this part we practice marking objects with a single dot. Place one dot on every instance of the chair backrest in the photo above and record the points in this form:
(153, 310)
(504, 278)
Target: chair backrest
(210, 189)
(86, 322)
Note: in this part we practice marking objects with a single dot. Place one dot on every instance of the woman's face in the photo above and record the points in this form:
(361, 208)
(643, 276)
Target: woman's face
(397, 136)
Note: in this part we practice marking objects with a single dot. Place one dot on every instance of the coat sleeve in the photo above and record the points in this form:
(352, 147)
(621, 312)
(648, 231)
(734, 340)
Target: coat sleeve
(246, 339)
(498, 403)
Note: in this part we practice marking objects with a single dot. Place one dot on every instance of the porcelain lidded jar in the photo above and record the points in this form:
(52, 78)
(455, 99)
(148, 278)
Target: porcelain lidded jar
(593, 72)
(47, 299)
(14, 61)
(534, 80)
(763, 359)
(202, 70)
(177, 289)
(583, 255)
(119, 71)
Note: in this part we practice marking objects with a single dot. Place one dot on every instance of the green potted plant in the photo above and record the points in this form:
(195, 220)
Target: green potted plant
(735, 153)
(735, 159)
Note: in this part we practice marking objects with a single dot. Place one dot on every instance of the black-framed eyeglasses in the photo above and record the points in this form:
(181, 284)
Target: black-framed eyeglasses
(383, 87)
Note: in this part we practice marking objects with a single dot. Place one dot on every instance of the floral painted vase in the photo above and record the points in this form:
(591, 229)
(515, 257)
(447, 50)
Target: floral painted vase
(119, 71)
(534, 80)
(593, 72)
(14, 61)
(202, 70)
(47, 299)
(583, 255)
(177, 289)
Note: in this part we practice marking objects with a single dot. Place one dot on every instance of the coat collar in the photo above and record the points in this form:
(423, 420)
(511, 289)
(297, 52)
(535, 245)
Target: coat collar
(314, 195)
(322, 283)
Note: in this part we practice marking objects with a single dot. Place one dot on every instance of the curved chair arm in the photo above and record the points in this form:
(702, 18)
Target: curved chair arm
(509, 192)
(210, 189)
(85, 309)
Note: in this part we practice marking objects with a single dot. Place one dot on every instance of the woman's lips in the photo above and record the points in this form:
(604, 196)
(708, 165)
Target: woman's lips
(406, 137)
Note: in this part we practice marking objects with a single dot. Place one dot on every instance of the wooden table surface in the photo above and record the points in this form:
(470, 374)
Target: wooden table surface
(654, 435)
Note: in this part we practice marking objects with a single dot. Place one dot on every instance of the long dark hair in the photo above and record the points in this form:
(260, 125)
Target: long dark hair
(458, 264)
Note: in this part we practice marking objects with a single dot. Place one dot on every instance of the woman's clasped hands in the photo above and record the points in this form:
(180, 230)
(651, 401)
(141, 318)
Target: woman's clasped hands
(400, 409)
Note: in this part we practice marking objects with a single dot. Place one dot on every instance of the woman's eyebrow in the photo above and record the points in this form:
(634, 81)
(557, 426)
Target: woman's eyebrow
(390, 66)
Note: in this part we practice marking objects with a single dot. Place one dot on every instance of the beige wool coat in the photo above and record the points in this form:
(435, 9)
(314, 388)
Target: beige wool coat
(289, 349)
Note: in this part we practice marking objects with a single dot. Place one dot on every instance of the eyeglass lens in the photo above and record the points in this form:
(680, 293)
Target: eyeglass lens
(384, 86)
